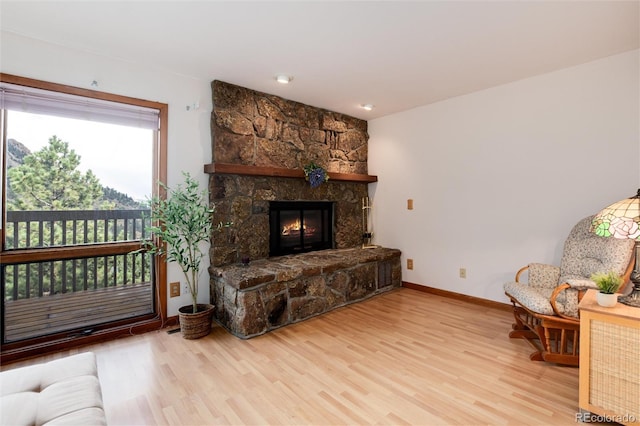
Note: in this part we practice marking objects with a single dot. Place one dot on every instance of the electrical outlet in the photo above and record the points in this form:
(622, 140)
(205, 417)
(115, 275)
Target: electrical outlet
(409, 263)
(463, 273)
(174, 289)
(186, 288)
(409, 204)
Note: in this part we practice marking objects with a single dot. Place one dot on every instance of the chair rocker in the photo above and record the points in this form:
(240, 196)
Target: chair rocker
(545, 308)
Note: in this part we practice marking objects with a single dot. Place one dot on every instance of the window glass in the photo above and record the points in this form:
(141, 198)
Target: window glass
(72, 181)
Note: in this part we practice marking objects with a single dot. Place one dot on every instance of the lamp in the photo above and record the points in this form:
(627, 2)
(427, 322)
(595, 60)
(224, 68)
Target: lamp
(622, 220)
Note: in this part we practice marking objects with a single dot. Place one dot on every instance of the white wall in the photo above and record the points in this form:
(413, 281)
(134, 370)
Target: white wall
(189, 141)
(499, 177)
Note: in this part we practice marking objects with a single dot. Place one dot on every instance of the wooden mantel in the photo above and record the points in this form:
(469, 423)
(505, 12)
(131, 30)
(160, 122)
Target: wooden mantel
(240, 169)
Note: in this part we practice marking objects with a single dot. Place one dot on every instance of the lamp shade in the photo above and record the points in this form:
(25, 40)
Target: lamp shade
(619, 220)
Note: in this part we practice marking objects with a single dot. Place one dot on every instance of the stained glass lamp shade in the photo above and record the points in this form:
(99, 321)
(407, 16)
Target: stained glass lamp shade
(622, 220)
(619, 220)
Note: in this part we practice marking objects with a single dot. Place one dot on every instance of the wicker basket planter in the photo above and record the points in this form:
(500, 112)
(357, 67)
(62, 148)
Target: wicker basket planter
(195, 326)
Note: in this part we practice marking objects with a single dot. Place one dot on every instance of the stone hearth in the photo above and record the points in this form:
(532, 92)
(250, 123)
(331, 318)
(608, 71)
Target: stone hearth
(270, 293)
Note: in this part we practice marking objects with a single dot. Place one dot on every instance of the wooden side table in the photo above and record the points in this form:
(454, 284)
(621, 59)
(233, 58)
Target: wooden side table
(609, 362)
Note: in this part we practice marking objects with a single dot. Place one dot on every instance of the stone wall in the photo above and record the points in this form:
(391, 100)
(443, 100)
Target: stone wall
(257, 129)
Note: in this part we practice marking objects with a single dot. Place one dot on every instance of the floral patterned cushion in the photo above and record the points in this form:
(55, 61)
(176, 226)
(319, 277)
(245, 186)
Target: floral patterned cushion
(567, 302)
(536, 299)
(529, 297)
(581, 283)
(543, 275)
(586, 253)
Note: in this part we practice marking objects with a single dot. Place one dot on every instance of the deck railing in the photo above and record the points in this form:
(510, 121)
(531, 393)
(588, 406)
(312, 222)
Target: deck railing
(46, 229)
(50, 228)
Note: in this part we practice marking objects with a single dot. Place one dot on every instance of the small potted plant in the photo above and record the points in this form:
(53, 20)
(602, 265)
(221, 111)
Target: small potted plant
(179, 225)
(607, 283)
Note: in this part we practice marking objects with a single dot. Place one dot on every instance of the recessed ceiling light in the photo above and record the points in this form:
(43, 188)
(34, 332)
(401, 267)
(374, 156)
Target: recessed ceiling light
(283, 79)
(368, 107)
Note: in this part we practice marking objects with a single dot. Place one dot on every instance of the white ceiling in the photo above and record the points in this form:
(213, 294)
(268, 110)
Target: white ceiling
(394, 54)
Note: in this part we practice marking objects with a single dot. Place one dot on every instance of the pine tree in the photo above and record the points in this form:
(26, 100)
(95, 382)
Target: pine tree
(49, 180)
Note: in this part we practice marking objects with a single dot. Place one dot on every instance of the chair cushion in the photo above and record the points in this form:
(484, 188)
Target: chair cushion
(580, 283)
(531, 298)
(18, 408)
(536, 299)
(543, 275)
(586, 253)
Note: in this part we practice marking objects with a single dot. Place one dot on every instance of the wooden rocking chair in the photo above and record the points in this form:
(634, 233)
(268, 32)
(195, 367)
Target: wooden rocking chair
(546, 306)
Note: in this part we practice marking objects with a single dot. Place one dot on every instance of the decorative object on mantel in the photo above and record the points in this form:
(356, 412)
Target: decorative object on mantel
(622, 220)
(367, 235)
(179, 224)
(608, 284)
(315, 174)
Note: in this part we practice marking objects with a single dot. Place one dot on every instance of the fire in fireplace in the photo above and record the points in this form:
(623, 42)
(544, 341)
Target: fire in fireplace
(300, 226)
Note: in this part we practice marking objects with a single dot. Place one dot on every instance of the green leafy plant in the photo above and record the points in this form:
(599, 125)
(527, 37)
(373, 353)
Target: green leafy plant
(179, 224)
(607, 283)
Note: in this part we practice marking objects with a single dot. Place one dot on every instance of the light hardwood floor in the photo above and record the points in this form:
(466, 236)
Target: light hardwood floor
(404, 357)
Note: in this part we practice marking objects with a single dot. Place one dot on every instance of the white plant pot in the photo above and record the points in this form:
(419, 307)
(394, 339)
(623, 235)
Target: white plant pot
(607, 300)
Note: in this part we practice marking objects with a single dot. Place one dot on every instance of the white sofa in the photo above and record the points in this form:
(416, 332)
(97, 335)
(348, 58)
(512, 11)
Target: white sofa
(65, 391)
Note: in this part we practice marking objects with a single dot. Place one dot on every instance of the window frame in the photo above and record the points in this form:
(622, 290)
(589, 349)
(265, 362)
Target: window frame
(16, 350)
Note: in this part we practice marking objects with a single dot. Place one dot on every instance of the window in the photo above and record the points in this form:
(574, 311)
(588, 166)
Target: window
(79, 167)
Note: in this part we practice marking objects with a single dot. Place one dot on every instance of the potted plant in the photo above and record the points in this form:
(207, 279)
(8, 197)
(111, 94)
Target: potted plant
(179, 225)
(607, 283)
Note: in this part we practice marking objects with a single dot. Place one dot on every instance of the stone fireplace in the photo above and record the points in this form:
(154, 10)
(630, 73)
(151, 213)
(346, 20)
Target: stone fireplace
(261, 144)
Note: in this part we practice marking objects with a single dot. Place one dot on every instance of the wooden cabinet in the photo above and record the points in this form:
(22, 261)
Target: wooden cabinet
(609, 362)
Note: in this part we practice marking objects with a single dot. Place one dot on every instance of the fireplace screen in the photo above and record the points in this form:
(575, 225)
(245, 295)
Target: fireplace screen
(300, 226)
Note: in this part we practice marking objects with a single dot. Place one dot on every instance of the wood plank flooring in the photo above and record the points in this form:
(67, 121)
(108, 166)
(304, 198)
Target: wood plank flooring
(401, 358)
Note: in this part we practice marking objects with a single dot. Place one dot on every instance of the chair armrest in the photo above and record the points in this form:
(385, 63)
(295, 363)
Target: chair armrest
(554, 296)
(520, 271)
(578, 292)
(543, 275)
(581, 283)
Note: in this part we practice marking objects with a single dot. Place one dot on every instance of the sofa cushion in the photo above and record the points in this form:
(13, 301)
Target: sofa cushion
(84, 417)
(18, 408)
(65, 391)
(68, 396)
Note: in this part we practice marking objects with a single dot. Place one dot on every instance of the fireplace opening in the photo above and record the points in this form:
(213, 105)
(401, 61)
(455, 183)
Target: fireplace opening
(300, 226)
